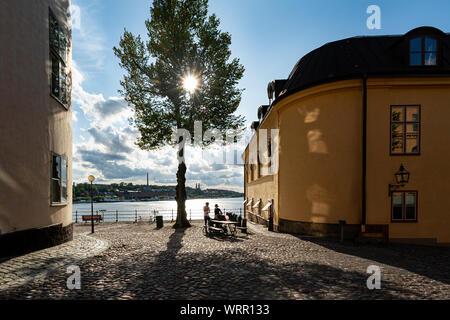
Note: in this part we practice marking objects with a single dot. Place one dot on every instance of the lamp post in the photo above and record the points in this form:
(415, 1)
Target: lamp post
(401, 177)
(91, 179)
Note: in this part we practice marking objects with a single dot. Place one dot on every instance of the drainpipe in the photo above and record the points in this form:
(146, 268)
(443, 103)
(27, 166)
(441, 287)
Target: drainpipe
(245, 180)
(364, 155)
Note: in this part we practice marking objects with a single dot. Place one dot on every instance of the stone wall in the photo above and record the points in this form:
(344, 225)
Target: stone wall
(21, 242)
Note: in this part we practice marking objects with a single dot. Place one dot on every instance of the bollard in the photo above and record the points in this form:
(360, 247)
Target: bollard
(270, 227)
(159, 222)
(76, 216)
(117, 216)
(244, 224)
(135, 214)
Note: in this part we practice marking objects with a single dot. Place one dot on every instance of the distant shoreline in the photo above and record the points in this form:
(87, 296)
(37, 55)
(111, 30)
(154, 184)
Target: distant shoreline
(134, 201)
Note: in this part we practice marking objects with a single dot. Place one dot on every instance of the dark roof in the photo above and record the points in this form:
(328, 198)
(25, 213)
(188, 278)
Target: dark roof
(355, 57)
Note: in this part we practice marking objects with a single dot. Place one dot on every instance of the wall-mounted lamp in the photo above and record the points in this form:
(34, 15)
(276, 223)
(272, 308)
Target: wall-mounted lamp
(401, 177)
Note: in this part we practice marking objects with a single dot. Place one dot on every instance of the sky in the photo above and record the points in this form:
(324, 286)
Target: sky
(268, 37)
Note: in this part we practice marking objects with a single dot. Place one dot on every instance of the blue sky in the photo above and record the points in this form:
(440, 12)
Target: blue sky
(268, 37)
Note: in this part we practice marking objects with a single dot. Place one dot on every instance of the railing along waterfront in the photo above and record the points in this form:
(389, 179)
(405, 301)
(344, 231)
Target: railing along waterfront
(147, 215)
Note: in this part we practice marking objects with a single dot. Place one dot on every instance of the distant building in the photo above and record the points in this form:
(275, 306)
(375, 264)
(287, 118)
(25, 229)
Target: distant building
(349, 115)
(35, 124)
(146, 195)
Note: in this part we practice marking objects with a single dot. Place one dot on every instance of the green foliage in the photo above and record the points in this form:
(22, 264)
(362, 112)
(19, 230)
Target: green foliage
(182, 40)
(81, 191)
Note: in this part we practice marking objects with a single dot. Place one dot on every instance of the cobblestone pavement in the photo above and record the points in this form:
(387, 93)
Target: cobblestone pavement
(38, 265)
(143, 262)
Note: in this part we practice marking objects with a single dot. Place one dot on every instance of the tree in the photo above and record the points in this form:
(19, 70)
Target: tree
(184, 43)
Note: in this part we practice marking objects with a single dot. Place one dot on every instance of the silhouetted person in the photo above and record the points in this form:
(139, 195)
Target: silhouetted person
(206, 211)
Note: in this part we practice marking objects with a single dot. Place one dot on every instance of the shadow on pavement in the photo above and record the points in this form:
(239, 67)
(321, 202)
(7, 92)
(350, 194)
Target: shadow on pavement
(218, 274)
(431, 262)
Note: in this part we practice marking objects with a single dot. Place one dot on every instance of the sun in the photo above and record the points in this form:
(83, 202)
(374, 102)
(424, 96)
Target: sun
(190, 83)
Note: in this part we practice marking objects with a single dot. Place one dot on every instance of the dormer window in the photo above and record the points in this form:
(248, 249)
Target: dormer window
(423, 51)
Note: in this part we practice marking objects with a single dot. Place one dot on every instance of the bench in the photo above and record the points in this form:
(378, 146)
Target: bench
(96, 217)
(243, 229)
(216, 229)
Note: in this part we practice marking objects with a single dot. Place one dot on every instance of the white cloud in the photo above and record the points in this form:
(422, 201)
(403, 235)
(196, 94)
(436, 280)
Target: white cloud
(74, 116)
(88, 35)
(109, 151)
(102, 112)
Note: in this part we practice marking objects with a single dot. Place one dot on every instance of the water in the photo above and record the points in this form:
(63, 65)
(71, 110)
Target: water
(145, 210)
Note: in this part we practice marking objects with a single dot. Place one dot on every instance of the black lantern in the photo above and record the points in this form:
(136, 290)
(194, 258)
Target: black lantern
(401, 177)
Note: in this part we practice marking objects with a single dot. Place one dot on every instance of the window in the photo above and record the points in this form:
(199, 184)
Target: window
(269, 153)
(423, 51)
(404, 206)
(269, 146)
(58, 59)
(59, 179)
(405, 130)
(260, 167)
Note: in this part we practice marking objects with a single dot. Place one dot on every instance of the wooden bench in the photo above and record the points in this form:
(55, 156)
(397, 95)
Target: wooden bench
(96, 217)
(215, 229)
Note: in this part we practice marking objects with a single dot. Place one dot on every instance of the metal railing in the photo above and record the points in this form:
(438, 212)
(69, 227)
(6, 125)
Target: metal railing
(147, 215)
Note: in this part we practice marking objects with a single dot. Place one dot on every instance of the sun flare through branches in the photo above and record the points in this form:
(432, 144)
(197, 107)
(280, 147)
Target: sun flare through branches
(190, 83)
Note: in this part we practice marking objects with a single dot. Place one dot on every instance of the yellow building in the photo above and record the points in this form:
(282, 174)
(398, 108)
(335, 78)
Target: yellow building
(348, 117)
(35, 125)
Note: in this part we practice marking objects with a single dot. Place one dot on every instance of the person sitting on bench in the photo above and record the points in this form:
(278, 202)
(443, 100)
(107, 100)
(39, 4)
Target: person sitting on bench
(218, 214)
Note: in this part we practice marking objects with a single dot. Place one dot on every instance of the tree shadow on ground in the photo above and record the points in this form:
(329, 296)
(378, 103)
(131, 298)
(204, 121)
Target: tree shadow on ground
(229, 274)
(431, 262)
(192, 271)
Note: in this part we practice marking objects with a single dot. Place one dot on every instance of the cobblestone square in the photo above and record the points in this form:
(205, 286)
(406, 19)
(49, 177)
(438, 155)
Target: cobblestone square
(138, 261)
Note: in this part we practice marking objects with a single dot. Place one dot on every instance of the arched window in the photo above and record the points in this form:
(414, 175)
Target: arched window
(423, 51)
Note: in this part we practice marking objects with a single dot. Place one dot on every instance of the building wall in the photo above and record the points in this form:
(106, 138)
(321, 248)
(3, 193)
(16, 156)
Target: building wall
(320, 154)
(264, 186)
(33, 124)
(429, 171)
(320, 165)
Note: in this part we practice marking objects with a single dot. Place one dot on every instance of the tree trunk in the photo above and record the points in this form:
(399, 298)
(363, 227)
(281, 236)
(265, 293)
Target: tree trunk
(182, 221)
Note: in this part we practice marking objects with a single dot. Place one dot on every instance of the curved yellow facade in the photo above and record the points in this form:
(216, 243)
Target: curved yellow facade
(320, 173)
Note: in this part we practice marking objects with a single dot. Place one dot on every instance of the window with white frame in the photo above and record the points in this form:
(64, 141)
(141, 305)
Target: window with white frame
(58, 60)
(405, 130)
(59, 179)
